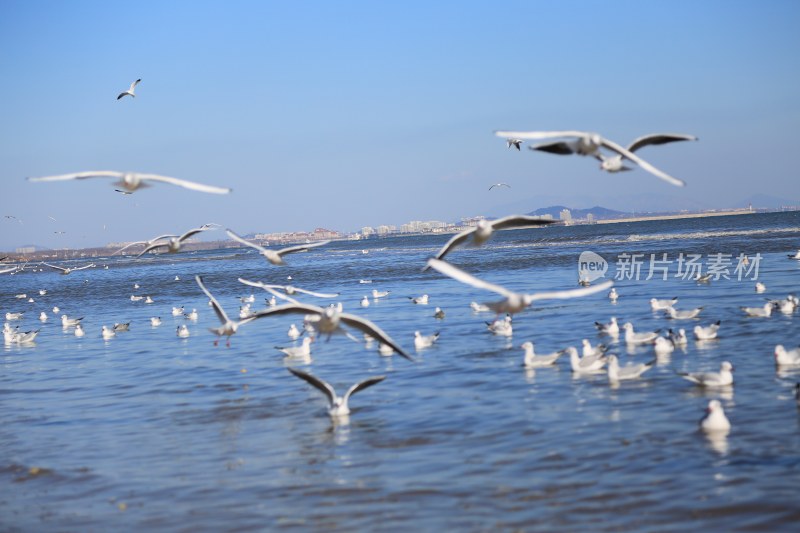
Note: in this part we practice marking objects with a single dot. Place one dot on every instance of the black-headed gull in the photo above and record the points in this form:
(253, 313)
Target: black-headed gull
(514, 302)
(631, 337)
(70, 322)
(484, 230)
(660, 305)
(68, 270)
(293, 332)
(337, 405)
(125, 326)
(586, 143)
(43, 316)
(618, 373)
(592, 364)
(182, 331)
(723, 378)
(613, 295)
(329, 320)
(499, 185)
(173, 244)
(298, 352)
(438, 313)
(589, 350)
(611, 329)
(228, 326)
(424, 341)
(534, 360)
(663, 346)
(108, 333)
(707, 333)
(795, 256)
(421, 300)
(130, 90)
(784, 357)
(501, 326)
(275, 256)
(516, 143)
(376, 294)
(715, 419)
(615, 163)
(155, 321)
(678, 338)
(131, 181)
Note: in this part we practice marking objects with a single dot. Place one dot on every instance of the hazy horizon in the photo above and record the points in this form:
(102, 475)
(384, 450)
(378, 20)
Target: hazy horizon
(360, 114)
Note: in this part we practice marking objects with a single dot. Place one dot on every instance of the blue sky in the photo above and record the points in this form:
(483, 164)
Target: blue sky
(347, 114)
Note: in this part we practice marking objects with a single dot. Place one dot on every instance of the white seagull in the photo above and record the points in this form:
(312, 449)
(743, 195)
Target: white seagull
(424, 341)
(613, 295)
(79, 331)
(784, 357)
(275, 256)
(678, 338)
(592, 364)
(683, 315)
(228, 326)
(483, 231)
(715, 419)
(723, 378)
(330, 320)
(664, 346)
(499, 185)
(660, 305)
(108, 333)
(615, 164)
(516, 143)
(130, 90)
(631, 337)
(337, 405)
(618, 373)
(67, 322)
(513, 302)
(288, 289)
(533, 360)
(760, 287)
(589, 350)
(611, 329)
(586, 143)
(762, 312)
(421, 300)
(501, 327)
(182, 331)
(173, 245)
(293, 332)
(66, 271)
(298, 352)
(131, 181)
(155, 321)
(707, 333)
(376, 294)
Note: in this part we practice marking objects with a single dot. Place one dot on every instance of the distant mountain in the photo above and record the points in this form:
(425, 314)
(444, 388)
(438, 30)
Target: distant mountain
(596, 211)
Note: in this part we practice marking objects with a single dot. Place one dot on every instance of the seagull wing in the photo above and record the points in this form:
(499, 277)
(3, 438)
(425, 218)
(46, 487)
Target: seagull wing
(223, 318)
(659, 138)
(365, 326)
(361, 386)
(317, 294)
(288, 309)
(300, 248)
(314, 381)
(464, 277)
(236, 238)
(641, 162)
(151, 246)
(80, 175)
(456, 240)
(186, 184)
(259, 284)
(190, 233)
(281, 296)
(572, 293)
(134, 84)
(519, 221)
(559, 147)
(85, 266)
(525, 135)
(54, 266)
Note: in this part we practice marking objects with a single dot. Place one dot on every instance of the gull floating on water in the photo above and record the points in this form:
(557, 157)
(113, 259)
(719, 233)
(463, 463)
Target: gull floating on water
(589, 350)
(228, 326)
(298, 352)
(43, 316)
(131, 181)
(155, 321)
(79, 331)
(683, 315)
(613, 295)
(715, 419)
(795, 256)
(784, 357)
(660, 305)
(422, 300)
(275, 256)
(376, 294)
(631, 337)
(533, 360)
(678, 338)
(67, 322)
(108, 333)
(618, 373)
(513, 302)
(663, 346)
(760, 287)
(424, 341)
(293, 332)
(763, 312)
(587, 143)
(330, 320)
(122, 327)
(438, 313)
(130, 90)
(337, 405)
(707, 333)
(592, 364)
(479, 308)
(364, 302)
(182, 331)
(611, 329)
(501, 327)
(484, 230)
(723, 378)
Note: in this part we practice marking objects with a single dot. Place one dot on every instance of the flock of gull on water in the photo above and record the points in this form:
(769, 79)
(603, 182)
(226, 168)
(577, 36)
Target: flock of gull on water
(331, 319)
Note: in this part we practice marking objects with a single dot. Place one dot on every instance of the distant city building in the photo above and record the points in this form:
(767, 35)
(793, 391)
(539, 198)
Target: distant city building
(367, 231)
(565, 215)
(26, 250)
(385, 230)
(548, 216)
(472, 221)
(590, 217)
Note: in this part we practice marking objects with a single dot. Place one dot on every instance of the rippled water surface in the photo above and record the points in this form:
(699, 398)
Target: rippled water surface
(147, 430)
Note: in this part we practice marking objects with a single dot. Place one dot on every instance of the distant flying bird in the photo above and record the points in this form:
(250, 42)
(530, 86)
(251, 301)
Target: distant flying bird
(129, 92)
(123, 192)
(10, 217)
(516, 143)
(586, 143)
(131, 181)
(66, 271)
(173, 245)
(275, 256)
(483, 231)
(228, 326)
(337, 405)
(499, 185)
(288, 289)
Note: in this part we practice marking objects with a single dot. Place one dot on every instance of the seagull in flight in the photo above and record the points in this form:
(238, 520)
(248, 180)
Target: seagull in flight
(174, 243)
(288, 289)
(330, 320)
(275, 256)
(513, 302)
(516, 143)
(337, 405)
(587, 143)
(614, 163)
(228, 326)
(499, 185)
(483, 231)
(129, 92)
(66, 271)
(131, 181)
